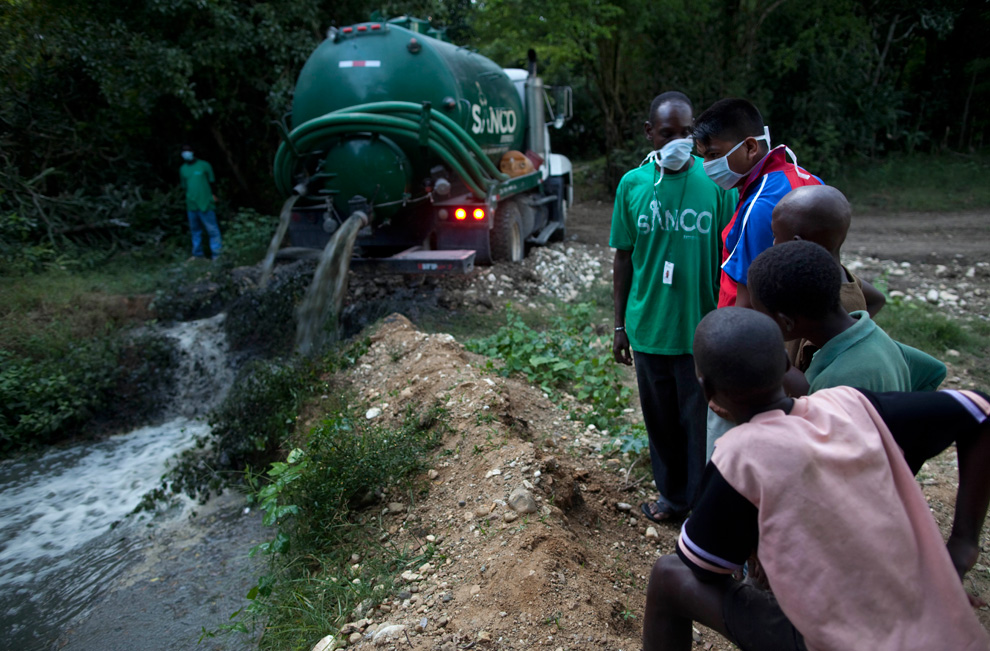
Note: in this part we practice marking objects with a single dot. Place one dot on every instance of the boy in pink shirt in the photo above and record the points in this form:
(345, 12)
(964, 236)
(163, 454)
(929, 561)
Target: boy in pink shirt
(824, 487)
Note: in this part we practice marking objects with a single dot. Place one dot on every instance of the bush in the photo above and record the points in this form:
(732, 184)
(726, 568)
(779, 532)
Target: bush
(568, 356)
(42, 401)
(343, 461)
(247, 235)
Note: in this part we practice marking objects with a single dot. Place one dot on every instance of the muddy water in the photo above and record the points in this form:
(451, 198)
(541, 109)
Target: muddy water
(283, 226)
(64, 532)
(325, 295)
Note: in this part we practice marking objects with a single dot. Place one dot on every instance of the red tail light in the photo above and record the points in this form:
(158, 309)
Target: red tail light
(460, 214)
(479, 213)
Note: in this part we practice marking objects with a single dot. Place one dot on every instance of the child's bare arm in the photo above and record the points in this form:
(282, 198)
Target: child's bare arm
(795, 384)
(875, 300)
(972, 499)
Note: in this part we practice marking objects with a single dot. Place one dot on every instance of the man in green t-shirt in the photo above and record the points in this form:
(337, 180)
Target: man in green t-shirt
(666, 229)
(196, 177)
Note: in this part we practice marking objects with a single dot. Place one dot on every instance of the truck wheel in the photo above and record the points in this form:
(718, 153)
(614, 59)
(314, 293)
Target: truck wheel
(506, 235)
(558, 208)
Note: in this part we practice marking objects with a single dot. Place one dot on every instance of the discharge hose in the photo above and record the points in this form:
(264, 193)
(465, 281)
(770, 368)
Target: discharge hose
(402, 119)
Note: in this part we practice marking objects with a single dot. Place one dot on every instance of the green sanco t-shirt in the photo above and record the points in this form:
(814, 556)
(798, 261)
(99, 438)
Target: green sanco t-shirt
(196, 178)
(676, 251)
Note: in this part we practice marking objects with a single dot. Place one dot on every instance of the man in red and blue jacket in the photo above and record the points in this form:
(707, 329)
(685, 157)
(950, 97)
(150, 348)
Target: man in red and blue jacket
(735, 145)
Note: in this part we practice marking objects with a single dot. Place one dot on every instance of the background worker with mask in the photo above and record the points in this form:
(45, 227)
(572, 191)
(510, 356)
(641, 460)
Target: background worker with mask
(196, 177)
(666, 224)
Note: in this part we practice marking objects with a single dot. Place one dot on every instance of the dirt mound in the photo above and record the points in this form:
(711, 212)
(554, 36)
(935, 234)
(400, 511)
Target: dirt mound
(571, 574)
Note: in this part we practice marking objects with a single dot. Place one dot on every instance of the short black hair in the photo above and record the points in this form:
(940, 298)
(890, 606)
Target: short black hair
(740, 352)
(796, 278)
(187, 148)
(669, 96)
(728, 119)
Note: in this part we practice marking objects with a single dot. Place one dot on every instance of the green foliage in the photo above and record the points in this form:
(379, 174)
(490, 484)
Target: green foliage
(923, 327)
(309, 499)
(245, 430)
(107, 379)
(568, 356)
(903, 183)
(246, 237)
(252, 424)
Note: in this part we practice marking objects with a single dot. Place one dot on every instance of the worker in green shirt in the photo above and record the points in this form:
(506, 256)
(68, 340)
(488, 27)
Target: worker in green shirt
(196, 177)
(666, 229)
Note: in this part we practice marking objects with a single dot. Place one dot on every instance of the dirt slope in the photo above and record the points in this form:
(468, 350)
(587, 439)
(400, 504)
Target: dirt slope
(571, 575)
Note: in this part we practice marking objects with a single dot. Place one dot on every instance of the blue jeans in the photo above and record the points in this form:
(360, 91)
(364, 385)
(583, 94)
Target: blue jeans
(200, 221)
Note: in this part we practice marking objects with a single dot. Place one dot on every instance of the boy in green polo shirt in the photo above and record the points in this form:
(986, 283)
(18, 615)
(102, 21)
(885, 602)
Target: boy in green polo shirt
(196, 177)
(666, 229)
(797, 284)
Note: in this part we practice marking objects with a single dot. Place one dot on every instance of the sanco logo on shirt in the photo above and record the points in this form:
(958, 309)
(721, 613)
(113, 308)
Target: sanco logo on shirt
(686, 220)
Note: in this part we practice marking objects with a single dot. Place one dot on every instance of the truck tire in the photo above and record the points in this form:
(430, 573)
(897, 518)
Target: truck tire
(506, 235)
(558, 208)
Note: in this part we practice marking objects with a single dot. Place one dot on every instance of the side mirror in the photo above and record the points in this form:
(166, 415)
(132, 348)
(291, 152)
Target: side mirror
(561, 106)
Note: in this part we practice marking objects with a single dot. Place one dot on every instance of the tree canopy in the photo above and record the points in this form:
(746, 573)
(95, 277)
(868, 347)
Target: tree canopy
(98, 96)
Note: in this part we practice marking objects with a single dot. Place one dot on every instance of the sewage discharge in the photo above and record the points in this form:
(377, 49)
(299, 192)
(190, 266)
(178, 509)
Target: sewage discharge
(325, 294)
(283, 225)
(59, 549)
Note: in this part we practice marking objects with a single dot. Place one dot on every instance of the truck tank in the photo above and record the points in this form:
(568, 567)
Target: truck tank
(384, 112)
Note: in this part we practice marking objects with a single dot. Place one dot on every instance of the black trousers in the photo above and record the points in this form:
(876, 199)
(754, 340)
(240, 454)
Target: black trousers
(675, 414)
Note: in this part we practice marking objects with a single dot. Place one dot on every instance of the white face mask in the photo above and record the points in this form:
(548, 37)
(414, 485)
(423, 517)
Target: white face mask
(721, 174)
(187, 156)
(672, 156)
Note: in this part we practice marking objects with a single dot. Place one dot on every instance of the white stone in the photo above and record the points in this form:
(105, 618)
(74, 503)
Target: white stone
(932, 296)
(329, 643)
(374, 412)
(651, 532)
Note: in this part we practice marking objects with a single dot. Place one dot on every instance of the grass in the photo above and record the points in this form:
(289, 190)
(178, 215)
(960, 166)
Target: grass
(315, 500)
(944, 182)
(923, 327)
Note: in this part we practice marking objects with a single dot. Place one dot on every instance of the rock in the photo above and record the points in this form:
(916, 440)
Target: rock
(425, 568)
(329, 643)
(421, 625)
(354, 638)
(404, 594)
(468, 516)
(623, 506)
(971, 272)
(510, 516)
(651, 532)
(406, 393)
(521, 501)
(484, 637)
(952, 352)
(410, 577)
(447, 597)
(387, 631)
(433, 474)
(948, 296)
(932, 296)
(396, 507)
(475, 589)
(374, 412)
(493, 472)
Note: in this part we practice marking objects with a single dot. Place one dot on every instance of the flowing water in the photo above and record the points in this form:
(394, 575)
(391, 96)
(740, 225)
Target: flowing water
(325, 294)
(283, 226)
(62, 513)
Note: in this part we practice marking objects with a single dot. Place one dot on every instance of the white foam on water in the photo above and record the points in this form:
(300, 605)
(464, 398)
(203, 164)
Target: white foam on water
(58, 548)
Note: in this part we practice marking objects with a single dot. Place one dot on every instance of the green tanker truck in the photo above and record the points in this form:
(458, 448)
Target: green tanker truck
(445, 155)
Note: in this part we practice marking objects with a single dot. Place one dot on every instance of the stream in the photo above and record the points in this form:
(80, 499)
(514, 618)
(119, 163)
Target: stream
(67, 546)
